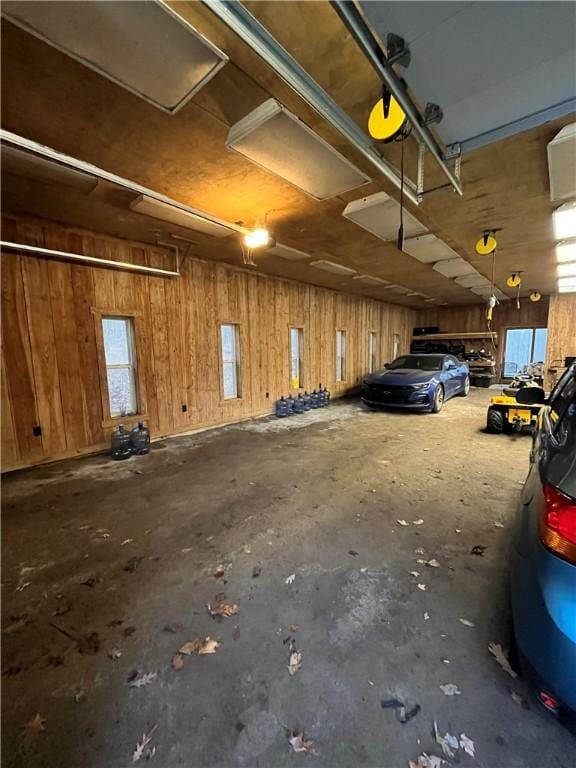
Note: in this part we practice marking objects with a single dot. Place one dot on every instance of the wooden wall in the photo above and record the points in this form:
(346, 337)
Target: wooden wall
(561, 332)
(473, 319)
(50, 356)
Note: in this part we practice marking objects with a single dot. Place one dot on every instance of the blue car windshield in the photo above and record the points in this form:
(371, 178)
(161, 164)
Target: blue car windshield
(417, 362)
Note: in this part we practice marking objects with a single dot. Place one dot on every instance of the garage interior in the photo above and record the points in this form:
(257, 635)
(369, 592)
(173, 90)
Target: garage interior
(196, 226)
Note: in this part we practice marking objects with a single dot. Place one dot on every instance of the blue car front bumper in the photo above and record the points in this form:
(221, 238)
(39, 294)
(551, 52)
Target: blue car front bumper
(399, 397)
(544, 611)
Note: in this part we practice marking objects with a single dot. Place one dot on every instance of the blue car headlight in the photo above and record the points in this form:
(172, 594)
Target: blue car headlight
(420, 387)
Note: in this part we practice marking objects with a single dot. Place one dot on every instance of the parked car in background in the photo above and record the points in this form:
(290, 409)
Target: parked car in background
(418, 382)
(543, 569)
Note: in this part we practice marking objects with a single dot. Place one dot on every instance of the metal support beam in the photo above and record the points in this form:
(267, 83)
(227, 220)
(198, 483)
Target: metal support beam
(249, 29)
(370, 46)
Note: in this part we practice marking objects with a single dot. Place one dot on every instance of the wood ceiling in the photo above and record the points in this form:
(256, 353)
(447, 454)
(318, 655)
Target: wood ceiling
(52, 99)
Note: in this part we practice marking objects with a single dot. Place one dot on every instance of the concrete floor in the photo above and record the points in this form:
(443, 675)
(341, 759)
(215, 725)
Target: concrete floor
(317, 496)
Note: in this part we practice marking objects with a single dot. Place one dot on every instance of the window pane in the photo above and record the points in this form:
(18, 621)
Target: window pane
(121, 391)
(228, 343)
(540, 338)
(518, 349)
(229, 374)
(116, 341)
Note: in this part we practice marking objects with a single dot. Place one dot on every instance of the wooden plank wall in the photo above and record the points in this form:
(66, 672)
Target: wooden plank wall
(50, 357)
(561, 332)
(473, 319)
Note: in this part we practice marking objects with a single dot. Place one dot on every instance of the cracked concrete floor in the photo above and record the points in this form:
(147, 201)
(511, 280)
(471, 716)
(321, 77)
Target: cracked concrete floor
(128, 551)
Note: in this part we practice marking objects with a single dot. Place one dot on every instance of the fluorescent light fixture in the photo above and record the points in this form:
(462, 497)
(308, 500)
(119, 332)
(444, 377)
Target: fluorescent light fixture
(473, 280)
(429, 301)
(393, 288)
(415, 294)
(566, 250)
(331, 266)
(180, 216)
(285, 252)
(27, 165)
(454, 268)
(257, 238)
(562, 164)
(568, 269)
(278, 141)
(565, 221)
(147, 48)
(428, 249)
(370, 280)
(379, 214)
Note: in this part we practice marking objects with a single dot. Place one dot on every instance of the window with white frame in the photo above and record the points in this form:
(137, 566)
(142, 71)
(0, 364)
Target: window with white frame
(230, 350)
(296, 346)
(372, 353)
(120, 355)
(340, 355)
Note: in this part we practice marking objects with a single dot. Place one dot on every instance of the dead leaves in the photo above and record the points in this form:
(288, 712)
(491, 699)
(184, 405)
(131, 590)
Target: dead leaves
(499, 654)
(450, 689)
(294, 662)
(178, 662)
(299, 743)
(32, 730)
(141, 745)
(199, 647)
(222, 607)
(143, 680)
(467, 623)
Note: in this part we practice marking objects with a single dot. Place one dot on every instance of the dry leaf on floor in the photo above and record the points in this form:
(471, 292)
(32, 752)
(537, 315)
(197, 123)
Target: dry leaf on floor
(298, 743)
(426, 616)
(433, 563)
(177, 662)
(467, 623)
(499, 654)
(126, 541)
(450, 689)
(145, 679)
(222, 607)
(467, 744)
(518, 699)
(423, 587)
(421, 561)
(295, 663)
(293, 627)
(419, 551)
(114, 653)
(141, 745)
(33, 729)
(192, 646)
(290, 579)
(208, 646)
(415, 574)
(448, 743)
(427, 761)
(220, 571)
(23, 586)
(498, 525)
(457, 530)
(402, 522)
(418, 522)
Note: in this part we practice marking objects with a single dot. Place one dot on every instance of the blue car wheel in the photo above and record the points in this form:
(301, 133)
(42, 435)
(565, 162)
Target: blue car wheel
(438, 399)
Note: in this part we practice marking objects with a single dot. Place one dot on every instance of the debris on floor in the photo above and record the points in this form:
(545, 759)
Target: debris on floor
(450, 689)
(199, 647)
(428, 761)
(517, 699)
(290, 579)
(141, 745)
(298, 742)
(478, 549)
(467, 623)
(404, 713)
(143, 680)
(221, 607)
(32, 730)
(256, 571)
(294, 661)
(499, 654)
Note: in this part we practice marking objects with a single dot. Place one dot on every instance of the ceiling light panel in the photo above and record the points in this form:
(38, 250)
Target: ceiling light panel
(474, 279)
(380, 215)
(331, 266)
(428, 249)
(175, 215)
(285, 252)
(562, 164)
(370, 280)
(27, 165)
(566, 250)
(488, 291)
(565, 221)
(454, 268)
(278, 141)
(144, 47)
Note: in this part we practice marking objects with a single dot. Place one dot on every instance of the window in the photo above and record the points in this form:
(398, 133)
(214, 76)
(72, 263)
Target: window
(523, 347)
(296, 346)
(396, 347)
(119, 352)
(230, 340)
(340, 355)
(372, 364)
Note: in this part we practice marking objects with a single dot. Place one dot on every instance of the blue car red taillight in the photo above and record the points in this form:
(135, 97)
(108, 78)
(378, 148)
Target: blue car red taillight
(558, 523)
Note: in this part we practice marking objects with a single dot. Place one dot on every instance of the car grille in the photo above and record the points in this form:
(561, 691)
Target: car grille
(389, 394)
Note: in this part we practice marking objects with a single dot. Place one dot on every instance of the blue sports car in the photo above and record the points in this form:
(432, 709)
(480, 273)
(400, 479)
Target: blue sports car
(543, 568)
(418, 382)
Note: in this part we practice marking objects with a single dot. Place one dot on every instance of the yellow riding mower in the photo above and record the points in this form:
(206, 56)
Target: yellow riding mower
(508, 412)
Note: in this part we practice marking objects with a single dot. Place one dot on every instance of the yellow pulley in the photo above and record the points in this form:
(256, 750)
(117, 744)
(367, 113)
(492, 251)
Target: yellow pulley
(514, 280)
(486, 245)
(387, 118)
(535, 296)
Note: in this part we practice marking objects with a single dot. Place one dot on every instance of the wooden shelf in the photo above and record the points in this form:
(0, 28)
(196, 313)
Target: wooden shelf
(446, 336)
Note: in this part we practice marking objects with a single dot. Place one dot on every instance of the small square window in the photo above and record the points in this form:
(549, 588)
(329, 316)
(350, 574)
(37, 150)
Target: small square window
(118, 335)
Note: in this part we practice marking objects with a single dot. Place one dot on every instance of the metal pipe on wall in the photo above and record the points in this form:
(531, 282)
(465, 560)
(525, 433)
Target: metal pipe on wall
(354, 22)
(249, 29)
(92, 260)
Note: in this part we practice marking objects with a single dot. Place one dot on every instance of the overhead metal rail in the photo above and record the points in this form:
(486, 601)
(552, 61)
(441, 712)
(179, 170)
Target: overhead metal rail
(255, 34)
(372, 49)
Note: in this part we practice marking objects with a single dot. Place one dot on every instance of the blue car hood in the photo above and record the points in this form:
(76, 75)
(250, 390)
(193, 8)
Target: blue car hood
(402, 377)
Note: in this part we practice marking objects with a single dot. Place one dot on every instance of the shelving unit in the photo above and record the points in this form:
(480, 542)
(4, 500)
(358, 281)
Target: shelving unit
(482, 372)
